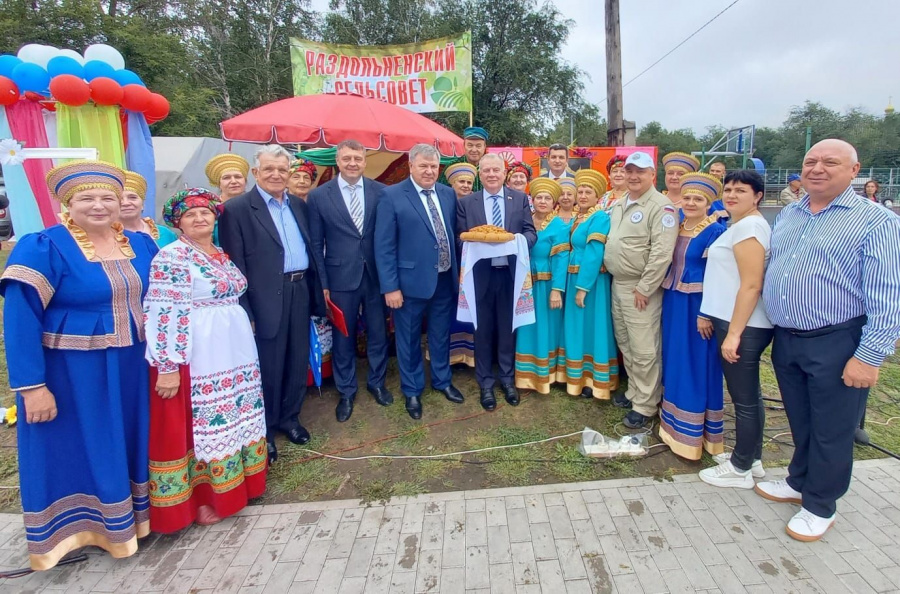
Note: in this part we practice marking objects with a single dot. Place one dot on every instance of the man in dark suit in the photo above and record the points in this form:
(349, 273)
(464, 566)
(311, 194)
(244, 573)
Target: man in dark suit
(494, 278)
(415, 229)
(342, 225)
(265, 232)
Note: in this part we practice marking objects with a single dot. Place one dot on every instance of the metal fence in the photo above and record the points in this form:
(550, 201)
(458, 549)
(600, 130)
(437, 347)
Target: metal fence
(887, 178)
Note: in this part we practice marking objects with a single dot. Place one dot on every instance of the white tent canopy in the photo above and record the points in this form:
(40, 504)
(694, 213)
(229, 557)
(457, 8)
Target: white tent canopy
(181, 162)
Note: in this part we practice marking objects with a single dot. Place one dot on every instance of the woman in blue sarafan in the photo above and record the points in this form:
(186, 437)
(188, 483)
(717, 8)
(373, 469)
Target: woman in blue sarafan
(75, 351)
(537, 345)
(691, 419)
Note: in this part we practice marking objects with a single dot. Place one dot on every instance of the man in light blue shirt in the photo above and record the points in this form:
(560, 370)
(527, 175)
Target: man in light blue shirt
(296, 257)
(266, 234)
(832, 290)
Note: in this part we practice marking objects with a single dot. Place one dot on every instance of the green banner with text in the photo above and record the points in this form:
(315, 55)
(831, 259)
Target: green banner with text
(424, 77)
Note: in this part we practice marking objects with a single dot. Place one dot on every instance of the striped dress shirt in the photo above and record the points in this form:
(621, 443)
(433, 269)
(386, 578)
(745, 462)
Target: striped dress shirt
(296, 257)
(835, 265)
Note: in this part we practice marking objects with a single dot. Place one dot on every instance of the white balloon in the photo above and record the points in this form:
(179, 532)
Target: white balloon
(72, 54)
(105, 53)
(30, 53)
(47, 53)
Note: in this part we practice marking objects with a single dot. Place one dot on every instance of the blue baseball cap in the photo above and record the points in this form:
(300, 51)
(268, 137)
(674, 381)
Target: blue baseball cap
(641, 160)
(793, 177)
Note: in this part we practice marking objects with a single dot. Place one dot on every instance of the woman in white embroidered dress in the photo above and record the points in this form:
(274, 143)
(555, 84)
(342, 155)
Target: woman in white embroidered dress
(207, 422)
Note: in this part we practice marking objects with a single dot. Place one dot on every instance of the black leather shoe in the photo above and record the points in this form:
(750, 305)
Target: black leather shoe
(414, 407)
(344, 410)
(587, 393)
(273, 452)
(488, 400)
(621, 400)
(452, 394)
(511, 394)
(382, 396)
(297, 435)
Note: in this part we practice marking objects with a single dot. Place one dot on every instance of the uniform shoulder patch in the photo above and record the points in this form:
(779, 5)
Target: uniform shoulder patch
(669, 208)
(668, 221)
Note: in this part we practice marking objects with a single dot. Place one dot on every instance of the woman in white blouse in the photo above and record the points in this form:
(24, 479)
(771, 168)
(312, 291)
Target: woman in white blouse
(732, 288)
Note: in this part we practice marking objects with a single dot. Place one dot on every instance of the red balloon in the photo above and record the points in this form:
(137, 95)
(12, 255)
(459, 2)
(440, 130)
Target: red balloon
(135, 98)
(106, 91)
(158, 108)
(9, 92)
(49, 105)
(70, 90)
(32, 96)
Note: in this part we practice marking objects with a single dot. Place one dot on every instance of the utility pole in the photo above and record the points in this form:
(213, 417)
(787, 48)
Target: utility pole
(615, 135)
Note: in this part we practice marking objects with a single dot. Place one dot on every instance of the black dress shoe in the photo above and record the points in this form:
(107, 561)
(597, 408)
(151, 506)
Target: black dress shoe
(452, 394)
(297, 435)
(382, 396)
(414, 407)
(488, 400)
(511, 394)
(344, 410)
(273, 452)
(587, 393)
(621, 400)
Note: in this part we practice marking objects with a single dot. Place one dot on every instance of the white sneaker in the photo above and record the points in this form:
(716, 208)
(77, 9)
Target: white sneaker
(725, 475)
(779, 491)
(807, 526)
(756, 469)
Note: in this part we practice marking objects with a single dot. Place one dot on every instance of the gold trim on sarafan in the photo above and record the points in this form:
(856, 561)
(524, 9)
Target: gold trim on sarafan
(560, 248)
(151, 224)
(32, 278)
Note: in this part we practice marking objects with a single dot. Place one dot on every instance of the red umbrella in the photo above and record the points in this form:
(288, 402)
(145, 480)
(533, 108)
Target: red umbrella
(326, 120)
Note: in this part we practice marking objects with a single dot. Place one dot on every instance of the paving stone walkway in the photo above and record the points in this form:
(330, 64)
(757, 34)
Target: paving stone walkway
(628, 536)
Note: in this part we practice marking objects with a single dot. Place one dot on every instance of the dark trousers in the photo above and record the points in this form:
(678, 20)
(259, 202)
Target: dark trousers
(343, 354)
(742, 379)
(284, 359)
(494, 337)
(440, 310)
(822, 411)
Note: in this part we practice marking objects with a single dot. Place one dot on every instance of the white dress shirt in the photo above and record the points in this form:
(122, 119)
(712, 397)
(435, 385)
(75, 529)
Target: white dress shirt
(437, 203)
(489, 215)
(360, 193)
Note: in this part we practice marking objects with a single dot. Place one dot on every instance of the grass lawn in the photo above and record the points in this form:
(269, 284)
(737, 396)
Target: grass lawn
(301, 476)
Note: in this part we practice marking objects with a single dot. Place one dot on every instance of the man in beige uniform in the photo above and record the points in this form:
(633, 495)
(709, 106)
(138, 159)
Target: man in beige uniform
(639, 249)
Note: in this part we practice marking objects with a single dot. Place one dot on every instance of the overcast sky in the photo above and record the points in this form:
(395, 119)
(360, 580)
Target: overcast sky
(750, 66)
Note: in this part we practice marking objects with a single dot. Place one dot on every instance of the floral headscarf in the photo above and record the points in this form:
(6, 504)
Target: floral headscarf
(306, 166)
(185, 200)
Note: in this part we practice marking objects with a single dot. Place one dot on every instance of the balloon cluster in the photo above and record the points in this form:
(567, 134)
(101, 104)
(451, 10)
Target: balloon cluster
(41, 71)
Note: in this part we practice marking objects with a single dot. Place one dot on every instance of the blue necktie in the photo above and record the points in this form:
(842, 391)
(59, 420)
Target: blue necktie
(498, 216)
(498, 222)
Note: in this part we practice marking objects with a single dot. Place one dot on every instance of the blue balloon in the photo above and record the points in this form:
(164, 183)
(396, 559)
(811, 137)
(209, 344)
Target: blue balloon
(96, 69)
(64, 65)
(31, 77)
(127, 77)
(7, 63)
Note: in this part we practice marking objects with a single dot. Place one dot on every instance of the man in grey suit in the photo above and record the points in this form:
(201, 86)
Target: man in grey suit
(342, 227)
(495, 340)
